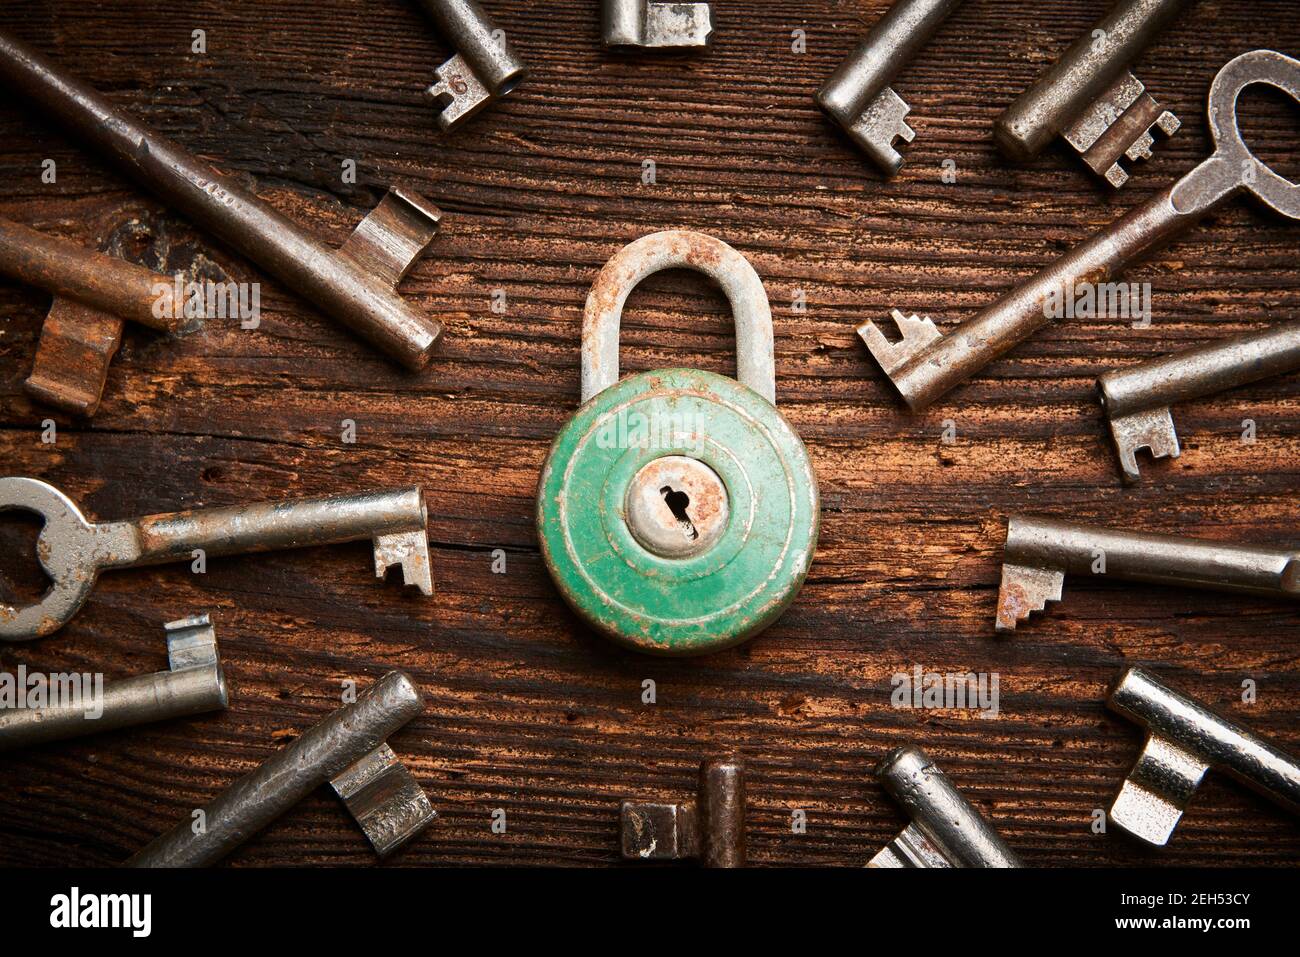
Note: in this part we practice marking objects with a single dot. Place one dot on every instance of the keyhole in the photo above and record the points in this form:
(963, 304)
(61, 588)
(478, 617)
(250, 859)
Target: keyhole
(677, 503)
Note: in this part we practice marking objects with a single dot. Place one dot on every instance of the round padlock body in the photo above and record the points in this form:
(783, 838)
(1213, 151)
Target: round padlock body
(678, 512)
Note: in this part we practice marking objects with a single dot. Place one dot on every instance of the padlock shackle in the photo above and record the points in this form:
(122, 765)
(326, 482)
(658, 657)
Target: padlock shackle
(678, 249)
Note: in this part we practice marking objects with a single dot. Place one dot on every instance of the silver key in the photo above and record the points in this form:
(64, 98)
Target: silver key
(946, 829)
(649, 23)
(858, 96)
(484, 68)
(1136, 399)
(73, 551)
(1090, 98)
(1184, 740)
(926, 363)
(349, 750)
(193, 684)
(1041, 551)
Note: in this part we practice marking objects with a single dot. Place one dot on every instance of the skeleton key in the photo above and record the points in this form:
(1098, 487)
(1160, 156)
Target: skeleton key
(1136, 398)
(946, 829)
(73, 551)
(484, 68)
(193, 684)
(1040, 551)
(1184, 740)
(348, 749)
(927, 363)
(649, 23)
(1090, 98)
(711, 828)
(858, 96)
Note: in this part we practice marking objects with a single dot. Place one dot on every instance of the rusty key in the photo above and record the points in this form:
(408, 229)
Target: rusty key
(927, 363)
(652, 24)
(354, 284)
(1089, 97)
(1041, 551)
(1137, 398)
(93, 293)
(710, 828)
(484, 68)
(73, 551)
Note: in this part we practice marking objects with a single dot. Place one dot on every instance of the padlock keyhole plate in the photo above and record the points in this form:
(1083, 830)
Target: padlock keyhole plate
(676, 506)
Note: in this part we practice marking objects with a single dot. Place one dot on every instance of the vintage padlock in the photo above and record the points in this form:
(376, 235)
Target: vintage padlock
(678, 510)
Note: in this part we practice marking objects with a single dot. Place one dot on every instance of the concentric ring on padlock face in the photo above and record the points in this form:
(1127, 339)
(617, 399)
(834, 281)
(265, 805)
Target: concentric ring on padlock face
(58, 546)
(638, 558)
(705, 602)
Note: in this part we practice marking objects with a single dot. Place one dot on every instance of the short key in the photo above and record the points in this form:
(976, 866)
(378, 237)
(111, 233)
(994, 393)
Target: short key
(1041, 551)
(858, 96)
(484, 68)
(1090, 98)
(650, 24)
(1137, 398)
(927, 363)
(946, 829)
(347, 748)
(73, 551)
(1184, 740)
(194, 683)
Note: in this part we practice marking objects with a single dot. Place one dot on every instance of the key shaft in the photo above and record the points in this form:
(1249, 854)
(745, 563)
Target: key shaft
(194, 684)
(334, 281)
(710, 828)
(653, 24)
(946, 829)
(484, 68)
(325, 751)
(1185, 739)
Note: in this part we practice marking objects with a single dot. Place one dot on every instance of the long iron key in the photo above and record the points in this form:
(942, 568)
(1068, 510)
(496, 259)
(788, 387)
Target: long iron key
(1040, 551)
(651, 24)
(858, 96)
(348, 749)
(710, 828)
(1184, 740)
(927, 363)
(73, 551)
(194, 683)
(1090, 98)
(484, 68)
(946, 829)
(1136, 398)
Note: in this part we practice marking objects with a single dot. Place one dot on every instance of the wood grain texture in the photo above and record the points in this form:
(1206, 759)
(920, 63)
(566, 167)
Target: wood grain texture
(527, 710)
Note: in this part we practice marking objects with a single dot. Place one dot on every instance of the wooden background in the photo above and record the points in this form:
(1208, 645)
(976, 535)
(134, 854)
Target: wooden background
(527, 710)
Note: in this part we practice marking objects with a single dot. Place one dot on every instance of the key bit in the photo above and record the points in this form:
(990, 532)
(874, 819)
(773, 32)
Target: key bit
(193, 684)
(1136, 399)
(1184, 740)
(1040, 551)
(651, 24)
(916, 333)
(858, 95)
(484, 68)
(1089, 98)
(711, 829)
(946, 829)
(348, 749)
(74, 551)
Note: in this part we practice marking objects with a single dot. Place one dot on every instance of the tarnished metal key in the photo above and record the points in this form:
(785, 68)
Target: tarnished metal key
(193, 684)
(1041, 551)
(1184, 740)
(484, 68)
(93, 293)
(73, 551)
(927, 363)
(649, 23)
(1136, 399)
(348, 749)
(858, 96)
(354, 284)
(710, 829)
(946, 829)
(1090, 98)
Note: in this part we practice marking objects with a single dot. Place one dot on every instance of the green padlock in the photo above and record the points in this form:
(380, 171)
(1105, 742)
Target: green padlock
(678, 510)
